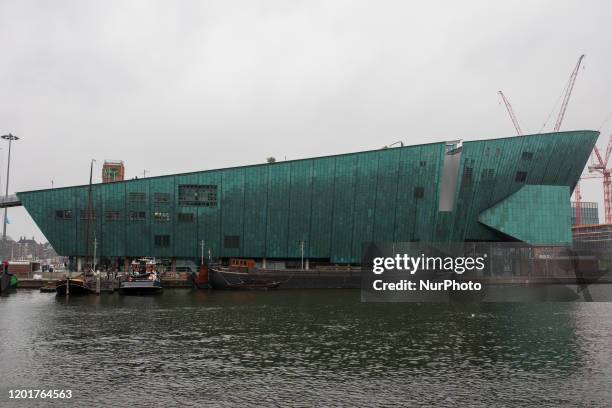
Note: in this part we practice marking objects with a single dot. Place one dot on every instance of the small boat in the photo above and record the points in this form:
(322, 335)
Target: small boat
(200, 279)
(73, 286)
(225, 278)
(142, 280)
(8, 281)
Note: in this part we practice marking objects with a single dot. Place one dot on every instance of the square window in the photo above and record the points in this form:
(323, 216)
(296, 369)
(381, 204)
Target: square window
(160, 216)
(231, 241)
(419, 192)
(521, 176)
(162, 241)
(185, 217)
(112, 215)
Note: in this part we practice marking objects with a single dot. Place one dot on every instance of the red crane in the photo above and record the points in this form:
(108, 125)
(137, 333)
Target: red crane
(599, 164)
(568, 93)
(513, 118)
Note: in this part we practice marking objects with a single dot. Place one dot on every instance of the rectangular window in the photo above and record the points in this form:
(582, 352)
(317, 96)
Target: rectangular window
(419, 192)
(162, 241)
(112, 215)
(63, 214)
(521, 176)
(185, 217)
(467, 172)
(231, 241)
(135, 197)
(201, 195)
(488, 173)
(161, 197)
(161, 216)
(422, 163)
(137, 215)
(88, 214)
(527, 156)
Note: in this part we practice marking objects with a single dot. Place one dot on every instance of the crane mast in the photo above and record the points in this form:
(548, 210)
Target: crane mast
(568, 93)
(513, 118)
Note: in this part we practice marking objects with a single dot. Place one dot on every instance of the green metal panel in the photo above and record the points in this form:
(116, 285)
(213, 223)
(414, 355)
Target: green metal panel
(333, 203)
(537, 215)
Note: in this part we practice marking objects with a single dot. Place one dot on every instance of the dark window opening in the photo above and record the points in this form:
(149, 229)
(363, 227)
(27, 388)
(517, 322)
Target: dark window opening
(161, 197)
(161, 216)
(88, 214)
(488, 173)
(231, 241)
(527, 156)
(185, 217)
(521, 176)
(137, 215)
(137, 197)
(63, 214)
(162, 240)
(422, 163)
(201, 195)
(112, 215)
(419, 192)
(467, 172)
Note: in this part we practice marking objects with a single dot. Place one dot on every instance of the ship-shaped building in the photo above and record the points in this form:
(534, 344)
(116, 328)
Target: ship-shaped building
(325, 208)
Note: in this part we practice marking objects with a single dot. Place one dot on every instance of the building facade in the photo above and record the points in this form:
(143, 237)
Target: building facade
(589, 213)
(325, 208)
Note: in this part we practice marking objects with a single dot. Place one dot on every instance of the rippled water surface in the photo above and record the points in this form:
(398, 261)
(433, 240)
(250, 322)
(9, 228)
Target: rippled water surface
(304, 348)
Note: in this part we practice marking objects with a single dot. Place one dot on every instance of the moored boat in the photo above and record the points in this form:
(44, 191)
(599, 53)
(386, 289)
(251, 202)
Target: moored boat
(72, 286)
(143, 279)
(225, 278)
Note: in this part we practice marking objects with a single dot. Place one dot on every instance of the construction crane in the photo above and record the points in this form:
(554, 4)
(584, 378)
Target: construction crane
(513, 118)
(599, 164)
(568, 93)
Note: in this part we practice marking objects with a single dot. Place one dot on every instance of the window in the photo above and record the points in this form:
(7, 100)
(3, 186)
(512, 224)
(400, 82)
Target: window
(161, 216)
(521, 176)
(161, 197)
(185, 217)
(422, 163)
(488, 173)
(137, 215)
(63, 214)
(137, 197)
(467, 172)
(527, 156)
(162, 241)
(497, 152)
(88, 214)
(419, 192)
(202, 195)
(112, 215)
(231, 241)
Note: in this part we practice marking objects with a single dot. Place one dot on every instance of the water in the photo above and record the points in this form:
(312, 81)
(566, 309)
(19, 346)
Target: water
(304, 348)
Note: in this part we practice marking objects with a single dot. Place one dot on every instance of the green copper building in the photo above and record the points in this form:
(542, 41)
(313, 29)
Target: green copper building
(508, 189)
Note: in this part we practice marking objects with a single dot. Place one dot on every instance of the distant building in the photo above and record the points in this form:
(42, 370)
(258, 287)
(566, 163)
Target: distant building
(113, 170)
(589, 213)
(593, 237)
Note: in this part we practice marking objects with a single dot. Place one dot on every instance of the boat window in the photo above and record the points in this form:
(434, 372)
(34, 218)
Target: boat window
(63, 214)
(112, 215)
(185, 217)
(137, 215)
(137, 197)
(161, 216)
(162, 240)
(521, 176)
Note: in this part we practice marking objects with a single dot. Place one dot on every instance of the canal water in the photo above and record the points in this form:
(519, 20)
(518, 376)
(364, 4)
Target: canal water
(304, 348)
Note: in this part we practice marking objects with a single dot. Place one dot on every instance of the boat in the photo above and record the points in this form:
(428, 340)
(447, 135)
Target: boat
(226, 278)
(8, 281)
(72, 286)
(143, 279)
(200, 280)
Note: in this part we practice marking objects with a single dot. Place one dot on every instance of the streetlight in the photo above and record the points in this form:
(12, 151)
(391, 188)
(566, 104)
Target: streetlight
(10, 137)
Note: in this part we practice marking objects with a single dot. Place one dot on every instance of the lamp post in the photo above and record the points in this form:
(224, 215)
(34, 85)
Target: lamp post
(10, 137)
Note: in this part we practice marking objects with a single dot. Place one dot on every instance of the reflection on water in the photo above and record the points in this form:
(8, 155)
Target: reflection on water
(308, 347)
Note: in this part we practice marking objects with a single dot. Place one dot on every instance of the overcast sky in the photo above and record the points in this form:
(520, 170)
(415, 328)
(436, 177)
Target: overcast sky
(176, 86)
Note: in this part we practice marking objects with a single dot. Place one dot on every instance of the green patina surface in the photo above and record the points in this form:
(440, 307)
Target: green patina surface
(333, 204)
(537, 215)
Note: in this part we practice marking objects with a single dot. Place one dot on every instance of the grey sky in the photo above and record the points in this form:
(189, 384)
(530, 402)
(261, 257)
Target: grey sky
(174, 86)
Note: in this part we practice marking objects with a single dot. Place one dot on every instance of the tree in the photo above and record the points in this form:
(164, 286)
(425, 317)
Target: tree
(271, 159)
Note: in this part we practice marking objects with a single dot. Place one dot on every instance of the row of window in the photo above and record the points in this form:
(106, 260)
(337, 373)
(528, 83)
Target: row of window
(160, 216)
(188, 194)
(521, 176)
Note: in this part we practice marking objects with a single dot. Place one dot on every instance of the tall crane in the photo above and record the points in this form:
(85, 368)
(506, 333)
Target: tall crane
(599, 164)
(568, 93)
(513, 118)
